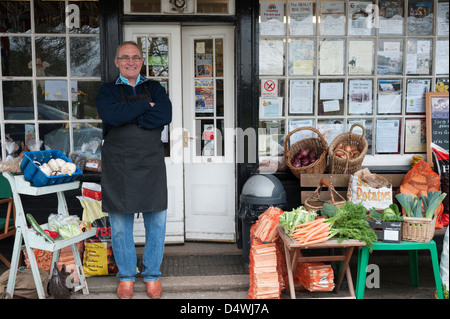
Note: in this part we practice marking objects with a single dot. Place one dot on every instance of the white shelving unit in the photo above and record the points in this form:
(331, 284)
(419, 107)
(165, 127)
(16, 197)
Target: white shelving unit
(33, 241)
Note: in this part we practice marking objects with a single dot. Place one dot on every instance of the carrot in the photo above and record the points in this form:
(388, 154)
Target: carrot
(318, 230)
(313, 222)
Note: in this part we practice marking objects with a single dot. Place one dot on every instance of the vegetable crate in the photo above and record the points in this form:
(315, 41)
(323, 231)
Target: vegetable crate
(418, 229)
(388, 232)
(33, 173)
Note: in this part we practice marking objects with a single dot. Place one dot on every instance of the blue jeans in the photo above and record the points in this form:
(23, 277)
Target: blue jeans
(125, 252)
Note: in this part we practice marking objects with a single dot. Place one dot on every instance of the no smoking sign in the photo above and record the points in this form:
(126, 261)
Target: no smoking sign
(269, 88)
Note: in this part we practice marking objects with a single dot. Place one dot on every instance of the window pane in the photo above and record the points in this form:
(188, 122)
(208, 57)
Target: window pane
(204, 98)
(87, 134)
(158, 56)
(208, 6)
(271, 138)
(415, 136)
(332, 18)
(301, 18)
(55, 136)
(16, 56)
(420, 17)
(219, 98)
(302, 57)
(391, 17)
(390, 56)
(330, 129)
(271, 57)
(419, 56)
(331, 57)
(18, 100)
(53, 101)
(203, 57)
(49, 16)
(331, 97)
(85, 56)
(272, 20)
(360, 97)
(17, 133)
(89, 17)
(51, 56)
(83, 100)
(389, 97)
(219, 57)
(387, 136)
(15, 16)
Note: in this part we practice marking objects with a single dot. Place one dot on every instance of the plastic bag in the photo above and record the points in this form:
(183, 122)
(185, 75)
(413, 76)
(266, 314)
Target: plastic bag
(66, 226)
(10, 164)
(93, 162)
(98, 255)
(444, 265)
(91, 190)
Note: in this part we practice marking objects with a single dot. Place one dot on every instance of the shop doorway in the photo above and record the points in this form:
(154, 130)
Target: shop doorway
(196, 64)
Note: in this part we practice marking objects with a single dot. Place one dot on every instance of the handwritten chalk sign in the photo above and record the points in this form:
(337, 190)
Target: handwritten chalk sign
(437, 122)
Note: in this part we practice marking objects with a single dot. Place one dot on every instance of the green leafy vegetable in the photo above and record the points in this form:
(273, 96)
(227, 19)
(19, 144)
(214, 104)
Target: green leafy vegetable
(391, 214)
(328, 210)
(350, 221)
(431, 202)
(412, 206)
(295, 217)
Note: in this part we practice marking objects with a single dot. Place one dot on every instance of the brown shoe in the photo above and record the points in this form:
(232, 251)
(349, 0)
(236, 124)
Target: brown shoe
(154, 289)
(125, 289)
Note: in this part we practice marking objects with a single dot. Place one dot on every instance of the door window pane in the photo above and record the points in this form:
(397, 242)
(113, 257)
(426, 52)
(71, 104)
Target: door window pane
(156, 55)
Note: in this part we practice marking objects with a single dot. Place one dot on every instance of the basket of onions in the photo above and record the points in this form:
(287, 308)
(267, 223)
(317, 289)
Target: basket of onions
(347, 151)
(307, 156)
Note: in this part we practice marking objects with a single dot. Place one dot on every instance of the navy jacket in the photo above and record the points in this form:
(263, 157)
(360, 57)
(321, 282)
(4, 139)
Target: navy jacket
(114, 113)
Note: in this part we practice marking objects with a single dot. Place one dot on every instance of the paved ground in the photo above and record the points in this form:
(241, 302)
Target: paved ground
(231, 283)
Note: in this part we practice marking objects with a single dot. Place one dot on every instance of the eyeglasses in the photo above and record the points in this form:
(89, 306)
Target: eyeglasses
(126, 58)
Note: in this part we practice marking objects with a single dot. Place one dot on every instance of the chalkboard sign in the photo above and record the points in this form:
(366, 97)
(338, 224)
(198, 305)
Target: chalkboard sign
(437, 122)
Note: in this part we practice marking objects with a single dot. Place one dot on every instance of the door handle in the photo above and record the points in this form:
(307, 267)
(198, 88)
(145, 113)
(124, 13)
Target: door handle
(186, 138)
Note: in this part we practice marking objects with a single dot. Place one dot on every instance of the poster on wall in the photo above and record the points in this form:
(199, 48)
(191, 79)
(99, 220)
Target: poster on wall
(415, 95)
(442, 18)
(204, 96)
(331, 58)
(332, 18)
(301, 18)
(271, 57)
(387, 135)
(415, 136)
(418, 58)
(359, 20)
(270, 107)
(301, 57)
(272, 16)
(389, 96)
(301, 96)
(203, 64)
(390, 17)
(390, 57)
(360, 97)
(360, 57)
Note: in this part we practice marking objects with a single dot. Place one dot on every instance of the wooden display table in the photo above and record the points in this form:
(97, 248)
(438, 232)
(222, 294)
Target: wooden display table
(347, 247)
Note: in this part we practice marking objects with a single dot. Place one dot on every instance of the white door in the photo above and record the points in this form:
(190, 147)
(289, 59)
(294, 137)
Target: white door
(208, 118)
(198, 72)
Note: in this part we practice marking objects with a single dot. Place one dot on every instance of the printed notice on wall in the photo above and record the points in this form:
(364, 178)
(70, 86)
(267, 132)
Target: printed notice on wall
(387, 135)
(272, 16)
(301, 18)
(360, 97)
(301, 97)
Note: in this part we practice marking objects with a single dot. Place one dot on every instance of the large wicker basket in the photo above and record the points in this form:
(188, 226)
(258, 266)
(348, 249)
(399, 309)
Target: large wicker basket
(317, 145)
(418, 229)
(348, 165)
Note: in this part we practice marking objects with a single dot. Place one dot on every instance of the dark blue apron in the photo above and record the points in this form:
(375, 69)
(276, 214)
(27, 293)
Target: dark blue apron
(133, 168)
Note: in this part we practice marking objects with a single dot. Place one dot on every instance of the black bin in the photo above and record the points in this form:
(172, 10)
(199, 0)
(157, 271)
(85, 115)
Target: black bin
(260, 192)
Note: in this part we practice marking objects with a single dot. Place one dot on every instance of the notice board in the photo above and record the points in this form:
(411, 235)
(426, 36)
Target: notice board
(437, 122)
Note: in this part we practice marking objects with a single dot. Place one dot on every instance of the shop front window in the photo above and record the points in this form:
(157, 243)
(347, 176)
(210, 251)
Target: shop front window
(330, 64)
(179, 6)
(49, 74)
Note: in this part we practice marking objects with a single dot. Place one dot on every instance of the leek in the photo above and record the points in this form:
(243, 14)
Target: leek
(431, 202)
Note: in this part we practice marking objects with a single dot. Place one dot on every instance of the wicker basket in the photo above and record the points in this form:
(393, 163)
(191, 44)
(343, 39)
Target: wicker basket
(317, 199)
(317, 145)
(346, 165)
(418, 229)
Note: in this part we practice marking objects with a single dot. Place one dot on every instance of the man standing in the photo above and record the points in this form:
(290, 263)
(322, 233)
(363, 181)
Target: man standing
(134, 111)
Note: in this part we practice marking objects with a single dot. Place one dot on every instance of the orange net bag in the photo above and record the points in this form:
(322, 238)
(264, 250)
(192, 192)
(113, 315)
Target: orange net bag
(420, 180)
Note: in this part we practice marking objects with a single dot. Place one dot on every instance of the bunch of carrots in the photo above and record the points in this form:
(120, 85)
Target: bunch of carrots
(314, 232)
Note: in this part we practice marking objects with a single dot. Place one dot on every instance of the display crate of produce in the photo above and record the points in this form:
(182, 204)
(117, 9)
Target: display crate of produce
(388, 232)
(31, 168)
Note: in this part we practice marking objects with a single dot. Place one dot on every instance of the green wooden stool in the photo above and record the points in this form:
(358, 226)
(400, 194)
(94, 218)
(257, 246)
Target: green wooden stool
(412, 247)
